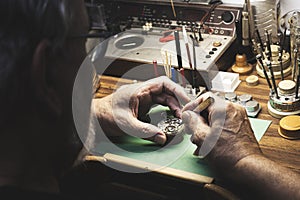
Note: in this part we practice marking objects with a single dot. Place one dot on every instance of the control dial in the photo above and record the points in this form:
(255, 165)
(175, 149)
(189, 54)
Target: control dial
(227, 17)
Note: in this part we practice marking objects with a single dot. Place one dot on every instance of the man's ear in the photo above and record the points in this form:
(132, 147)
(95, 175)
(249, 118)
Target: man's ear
(44, 90)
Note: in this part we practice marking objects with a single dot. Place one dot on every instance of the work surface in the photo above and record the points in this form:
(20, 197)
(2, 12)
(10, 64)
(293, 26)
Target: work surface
(283, 151)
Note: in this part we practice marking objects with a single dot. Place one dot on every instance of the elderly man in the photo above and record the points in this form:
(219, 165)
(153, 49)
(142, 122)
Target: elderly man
(41, 52)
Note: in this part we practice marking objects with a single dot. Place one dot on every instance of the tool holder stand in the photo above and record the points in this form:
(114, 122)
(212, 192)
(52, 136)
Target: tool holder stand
(275, 61)
(287, 103)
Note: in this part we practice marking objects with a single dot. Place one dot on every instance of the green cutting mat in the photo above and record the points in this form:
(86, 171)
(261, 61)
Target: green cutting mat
(178, 154)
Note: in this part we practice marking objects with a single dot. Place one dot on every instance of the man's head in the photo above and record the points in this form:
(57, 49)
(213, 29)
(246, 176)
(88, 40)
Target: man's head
(39, 58)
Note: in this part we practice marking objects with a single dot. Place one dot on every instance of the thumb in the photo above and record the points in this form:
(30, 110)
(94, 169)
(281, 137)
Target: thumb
(149, 132)
(157, 135)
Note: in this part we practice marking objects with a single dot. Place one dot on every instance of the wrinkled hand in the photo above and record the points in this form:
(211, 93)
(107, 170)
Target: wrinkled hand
(121, 112)
(225, 136)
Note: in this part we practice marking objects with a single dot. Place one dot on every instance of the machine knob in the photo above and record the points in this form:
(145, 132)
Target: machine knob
(227, 16)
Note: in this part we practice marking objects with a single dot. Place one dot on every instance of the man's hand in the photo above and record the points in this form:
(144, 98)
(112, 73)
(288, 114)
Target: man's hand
(122, 111)
(226, 132)
(235, 152)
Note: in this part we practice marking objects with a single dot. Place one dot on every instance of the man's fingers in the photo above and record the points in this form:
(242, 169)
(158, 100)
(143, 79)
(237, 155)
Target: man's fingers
(170, 101)
(193, 121)
(172, 88)
(193, 104)
(195, 124)
(152, 133)
(159, 138)
(163, 84)
(145, 131)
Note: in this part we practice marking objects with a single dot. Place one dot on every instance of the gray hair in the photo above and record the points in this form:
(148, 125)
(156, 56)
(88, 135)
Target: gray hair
(23, 23)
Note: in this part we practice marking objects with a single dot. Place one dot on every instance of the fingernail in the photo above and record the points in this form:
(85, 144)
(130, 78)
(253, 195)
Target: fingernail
(160, 138)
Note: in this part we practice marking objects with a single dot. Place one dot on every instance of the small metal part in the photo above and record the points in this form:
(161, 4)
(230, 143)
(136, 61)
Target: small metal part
(171, 126)
(252, 106)
(286, 87)
(244, 98)
(245, 28)
(230, 96)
